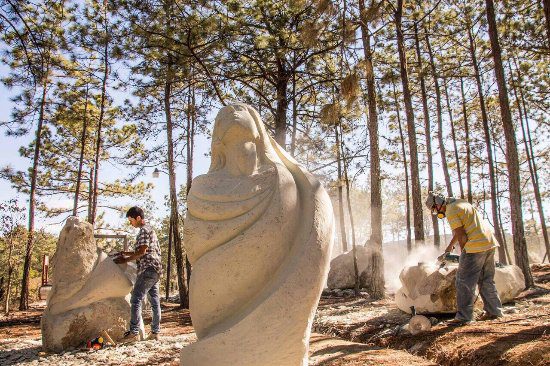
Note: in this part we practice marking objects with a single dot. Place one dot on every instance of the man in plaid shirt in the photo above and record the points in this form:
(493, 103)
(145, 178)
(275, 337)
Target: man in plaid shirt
(147, 255)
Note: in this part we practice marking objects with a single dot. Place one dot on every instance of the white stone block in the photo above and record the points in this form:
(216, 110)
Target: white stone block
(90, 293)
(431, 289)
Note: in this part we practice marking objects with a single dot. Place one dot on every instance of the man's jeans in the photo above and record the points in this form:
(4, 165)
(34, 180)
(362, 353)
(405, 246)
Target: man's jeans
(476, 268)
(146, 282)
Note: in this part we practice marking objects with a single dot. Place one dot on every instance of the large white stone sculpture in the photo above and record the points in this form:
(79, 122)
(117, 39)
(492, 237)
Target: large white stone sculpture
(431, 289)
(258, 233)
(90, 293)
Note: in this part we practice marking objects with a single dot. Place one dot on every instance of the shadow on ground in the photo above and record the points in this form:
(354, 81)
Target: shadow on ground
(14, 357)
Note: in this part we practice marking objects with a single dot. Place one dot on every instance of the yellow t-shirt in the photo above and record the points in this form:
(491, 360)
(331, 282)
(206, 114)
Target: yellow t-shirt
(480, 235)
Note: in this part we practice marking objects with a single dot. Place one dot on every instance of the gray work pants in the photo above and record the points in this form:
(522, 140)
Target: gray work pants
(146, 282)
(476, 269)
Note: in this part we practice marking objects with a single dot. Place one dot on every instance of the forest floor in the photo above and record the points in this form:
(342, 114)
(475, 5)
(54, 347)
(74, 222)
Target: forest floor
(349, 331)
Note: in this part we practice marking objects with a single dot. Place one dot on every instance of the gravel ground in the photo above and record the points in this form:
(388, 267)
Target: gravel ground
(14, 351)
(21, 344)
(522, 337)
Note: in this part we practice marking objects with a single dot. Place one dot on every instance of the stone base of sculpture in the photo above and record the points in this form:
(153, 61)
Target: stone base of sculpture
(90, 293)
(73, 328)
(431, 289)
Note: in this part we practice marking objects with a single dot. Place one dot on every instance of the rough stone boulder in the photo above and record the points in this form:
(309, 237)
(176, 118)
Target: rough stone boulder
(90, 293)
(342, 274)
(431, 289)
(509, 281)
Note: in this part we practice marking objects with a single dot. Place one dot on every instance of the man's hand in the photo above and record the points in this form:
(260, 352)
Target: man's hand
(120, 259)
(441, 258)
(125, 257)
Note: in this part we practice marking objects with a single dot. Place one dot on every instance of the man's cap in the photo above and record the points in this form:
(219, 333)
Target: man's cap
(435, 198)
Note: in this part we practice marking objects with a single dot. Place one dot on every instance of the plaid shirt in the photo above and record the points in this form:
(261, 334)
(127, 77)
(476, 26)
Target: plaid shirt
(151, 258)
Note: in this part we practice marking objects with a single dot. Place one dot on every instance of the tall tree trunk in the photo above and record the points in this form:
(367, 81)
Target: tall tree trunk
(90, 193)
(190, 146)
(189, 138)
(535, 170)
(453, 136)
(24, 299)
(406, 169)
(497, 192)
(546, 7)
(82, 149)
(169, 261)
(415, 176)
(10, 272)
(376, 285)
(294, 116)
(467, 138)
(530, 157)
(512, 160)
(352, 222)
(343, 235)
(439, 117)
(488, 144)
(282, 104)
(99, 137)
(427, 129)
(174, 216)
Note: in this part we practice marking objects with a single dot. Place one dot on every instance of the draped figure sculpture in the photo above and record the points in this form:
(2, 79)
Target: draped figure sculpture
(258, 233)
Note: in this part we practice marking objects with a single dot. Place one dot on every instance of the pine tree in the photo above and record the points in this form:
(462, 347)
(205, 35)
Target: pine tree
(376, 276)
(36, 34)
(520, 245)
(411, 128)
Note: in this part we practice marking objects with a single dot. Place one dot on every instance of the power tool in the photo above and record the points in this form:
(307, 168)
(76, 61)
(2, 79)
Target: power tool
(447, 258)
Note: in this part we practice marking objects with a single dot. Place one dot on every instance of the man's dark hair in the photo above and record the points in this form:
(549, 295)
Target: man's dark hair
(134, 212)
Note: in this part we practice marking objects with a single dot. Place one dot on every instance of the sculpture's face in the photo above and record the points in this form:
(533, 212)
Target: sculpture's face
(240, 149)
(235, 140)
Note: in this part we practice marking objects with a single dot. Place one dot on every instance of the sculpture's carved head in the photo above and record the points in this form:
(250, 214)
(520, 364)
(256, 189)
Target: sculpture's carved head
(238, 146)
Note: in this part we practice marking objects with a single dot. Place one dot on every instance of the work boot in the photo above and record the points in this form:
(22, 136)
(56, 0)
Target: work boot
(153, 337)
(458, 322)
(487, 316)
(129, 337)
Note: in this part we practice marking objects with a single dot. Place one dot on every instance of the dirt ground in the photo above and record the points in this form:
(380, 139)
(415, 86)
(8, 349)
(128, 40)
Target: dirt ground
(521, 337)
(347, 331)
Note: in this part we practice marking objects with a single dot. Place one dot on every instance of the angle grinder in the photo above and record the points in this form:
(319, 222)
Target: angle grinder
(447, 258)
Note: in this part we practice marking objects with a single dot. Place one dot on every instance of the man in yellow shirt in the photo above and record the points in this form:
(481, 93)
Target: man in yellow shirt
(477, 259)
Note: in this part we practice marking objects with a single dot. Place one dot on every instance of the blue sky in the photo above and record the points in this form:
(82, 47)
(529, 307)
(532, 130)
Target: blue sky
(10, 156)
